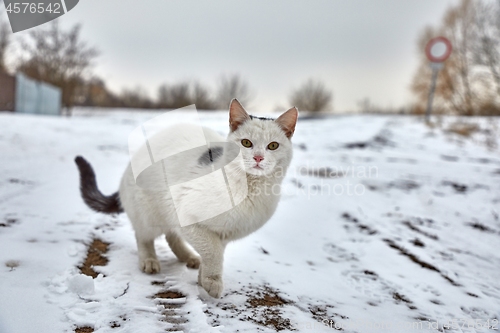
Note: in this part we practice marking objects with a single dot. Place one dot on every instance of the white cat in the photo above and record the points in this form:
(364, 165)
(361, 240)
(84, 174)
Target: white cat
(266, 150)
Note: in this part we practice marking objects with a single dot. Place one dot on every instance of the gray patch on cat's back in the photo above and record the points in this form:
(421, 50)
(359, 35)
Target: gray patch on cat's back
(205, 158)
(210, 155)
(216, 152)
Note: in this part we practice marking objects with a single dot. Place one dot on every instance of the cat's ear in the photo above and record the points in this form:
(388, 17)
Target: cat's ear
(288, 120)
(237, 115)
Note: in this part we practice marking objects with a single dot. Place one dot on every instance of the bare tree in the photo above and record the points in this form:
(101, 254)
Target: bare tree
(232, 86)
(487, 46)
(459, 26)
(312, 96)
(58, 57)
(5, 39)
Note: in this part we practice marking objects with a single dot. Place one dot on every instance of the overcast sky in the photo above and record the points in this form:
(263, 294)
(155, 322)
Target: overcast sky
(359, 48)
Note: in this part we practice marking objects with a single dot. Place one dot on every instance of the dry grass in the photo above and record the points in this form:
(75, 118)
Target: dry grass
(12, 264)
(463, 129)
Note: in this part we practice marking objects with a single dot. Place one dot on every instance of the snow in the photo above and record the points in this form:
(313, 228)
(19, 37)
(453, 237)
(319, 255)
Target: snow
(82, 284)
(408, 236)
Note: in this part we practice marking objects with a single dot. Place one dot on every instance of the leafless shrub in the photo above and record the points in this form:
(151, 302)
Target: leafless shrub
(487, 44)
(464, 129)
(174, 96)
(201, 97)
(135, 98)
(232, 86)
(312, 96)
(181, 94)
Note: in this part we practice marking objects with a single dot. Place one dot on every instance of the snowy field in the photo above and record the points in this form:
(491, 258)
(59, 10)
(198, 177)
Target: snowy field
(385, 225)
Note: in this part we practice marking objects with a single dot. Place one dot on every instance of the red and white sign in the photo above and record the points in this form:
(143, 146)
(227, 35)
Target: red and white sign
(438, 49)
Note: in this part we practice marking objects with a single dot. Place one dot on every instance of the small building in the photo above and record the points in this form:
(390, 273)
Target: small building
(7, 91)
(24, 95)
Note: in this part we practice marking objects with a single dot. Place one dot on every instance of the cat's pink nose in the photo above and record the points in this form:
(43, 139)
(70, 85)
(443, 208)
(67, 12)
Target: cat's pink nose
(258, 158)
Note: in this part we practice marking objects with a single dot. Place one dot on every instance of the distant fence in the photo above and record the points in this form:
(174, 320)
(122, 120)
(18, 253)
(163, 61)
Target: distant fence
(36, 97)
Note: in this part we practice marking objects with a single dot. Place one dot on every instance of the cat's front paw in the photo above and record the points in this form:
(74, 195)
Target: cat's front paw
(150, 266)
(213, 285)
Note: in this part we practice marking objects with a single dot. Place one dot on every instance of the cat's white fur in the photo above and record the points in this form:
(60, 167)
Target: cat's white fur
(152, 211)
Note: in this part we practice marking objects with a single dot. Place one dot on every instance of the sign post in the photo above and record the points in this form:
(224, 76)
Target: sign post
(437, 51)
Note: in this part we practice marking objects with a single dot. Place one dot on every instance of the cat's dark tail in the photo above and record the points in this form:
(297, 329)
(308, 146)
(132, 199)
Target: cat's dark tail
(90, 193)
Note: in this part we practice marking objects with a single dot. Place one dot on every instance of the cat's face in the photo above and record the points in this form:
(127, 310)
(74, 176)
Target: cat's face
(264, 143)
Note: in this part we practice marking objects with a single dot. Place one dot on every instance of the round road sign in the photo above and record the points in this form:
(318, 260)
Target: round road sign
(438, 49)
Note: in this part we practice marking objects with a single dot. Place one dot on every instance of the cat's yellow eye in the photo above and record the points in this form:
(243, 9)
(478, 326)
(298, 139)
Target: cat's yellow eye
(246, 143)
(273, 145)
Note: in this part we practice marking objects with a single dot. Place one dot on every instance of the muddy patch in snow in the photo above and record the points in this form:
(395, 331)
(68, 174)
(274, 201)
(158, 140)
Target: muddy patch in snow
(21, 181)
(267, 297)
(320, 312)
(158, 283)
(169, 294)
(449, 158)
(8, 222)
(406, 185)
(363, 228)
(378, 141)
(419, 262)
(263, 306)
(338, 254)
(401, 160)
(412, 227)
(482, 227)
(459, 188)
(417, 242)
(172, 302)
(375, 289)
(297, 183)
(95, 257)
(400, 298)
(118, 323)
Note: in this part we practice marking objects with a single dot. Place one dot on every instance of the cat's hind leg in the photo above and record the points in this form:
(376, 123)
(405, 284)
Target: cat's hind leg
(182, 250)
(148, 262)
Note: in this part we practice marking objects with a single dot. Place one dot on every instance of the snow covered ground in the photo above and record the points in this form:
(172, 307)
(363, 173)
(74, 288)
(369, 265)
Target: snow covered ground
(385, 225)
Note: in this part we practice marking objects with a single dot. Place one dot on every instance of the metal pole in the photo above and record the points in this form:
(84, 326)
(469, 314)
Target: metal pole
(435, 71)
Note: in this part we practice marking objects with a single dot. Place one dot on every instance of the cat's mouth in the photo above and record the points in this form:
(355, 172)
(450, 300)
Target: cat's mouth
(258, 167)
